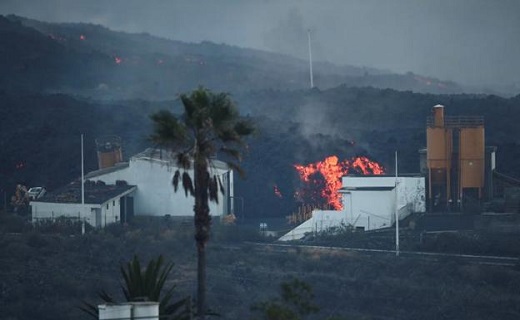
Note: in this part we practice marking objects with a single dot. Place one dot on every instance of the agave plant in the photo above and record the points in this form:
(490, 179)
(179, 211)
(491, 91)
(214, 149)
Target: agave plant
(147, 285)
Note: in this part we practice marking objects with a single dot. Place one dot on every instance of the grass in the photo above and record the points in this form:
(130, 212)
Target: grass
(46, 275)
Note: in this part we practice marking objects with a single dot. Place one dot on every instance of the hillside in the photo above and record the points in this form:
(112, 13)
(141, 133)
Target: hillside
(61, 80)
(40, 134)
(91, 60)
(47, 275)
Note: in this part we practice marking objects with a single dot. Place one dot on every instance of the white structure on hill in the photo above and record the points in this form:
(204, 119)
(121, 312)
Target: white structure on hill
(104, 204)
(152, 172)
(369, 202)
(142, 186)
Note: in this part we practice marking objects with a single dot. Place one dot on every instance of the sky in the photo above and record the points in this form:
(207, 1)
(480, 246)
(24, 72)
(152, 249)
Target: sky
(473, 42)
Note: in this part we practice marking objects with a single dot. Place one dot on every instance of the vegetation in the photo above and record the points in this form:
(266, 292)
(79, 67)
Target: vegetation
(210, 125)
(295, 303)
(147, 285)
(46, 276)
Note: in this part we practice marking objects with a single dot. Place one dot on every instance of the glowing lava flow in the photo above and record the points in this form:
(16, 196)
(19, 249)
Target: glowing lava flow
(330, 170)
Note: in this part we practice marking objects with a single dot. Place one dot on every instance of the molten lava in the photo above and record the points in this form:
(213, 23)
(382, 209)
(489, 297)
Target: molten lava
(326, 176)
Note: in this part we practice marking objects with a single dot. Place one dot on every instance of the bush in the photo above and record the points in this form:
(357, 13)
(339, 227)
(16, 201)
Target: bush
(60, 225)
(12, 223)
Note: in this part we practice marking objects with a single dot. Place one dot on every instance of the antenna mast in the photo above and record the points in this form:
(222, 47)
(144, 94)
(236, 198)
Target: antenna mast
(310, 57)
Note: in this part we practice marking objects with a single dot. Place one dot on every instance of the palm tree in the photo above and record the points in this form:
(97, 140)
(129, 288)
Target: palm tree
(210, 125)
(147, 285)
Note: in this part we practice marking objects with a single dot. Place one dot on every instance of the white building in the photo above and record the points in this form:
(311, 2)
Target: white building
(103, 204)
(146, 188)
(152, 172)
(369, 202)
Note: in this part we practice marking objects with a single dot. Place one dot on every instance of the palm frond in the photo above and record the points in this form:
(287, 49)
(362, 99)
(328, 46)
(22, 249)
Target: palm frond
(168, 130)
(90, 309)
(187, 184)
(232, 152)
(175, 180)
(244, 127)
(213, 189)
(184, 160)
(221, 186)
(237, 168)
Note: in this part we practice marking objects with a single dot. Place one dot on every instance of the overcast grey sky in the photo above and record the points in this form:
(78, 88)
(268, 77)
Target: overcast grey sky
(474, 42)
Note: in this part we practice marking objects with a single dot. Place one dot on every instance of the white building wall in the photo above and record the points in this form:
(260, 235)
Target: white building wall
(110, 211)
(155, 194)
(374, 209)
(321, 220)
(369, 209)
(47, 210)
(368, 203)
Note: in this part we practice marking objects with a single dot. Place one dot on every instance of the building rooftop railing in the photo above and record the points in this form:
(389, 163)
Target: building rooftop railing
(458, 121)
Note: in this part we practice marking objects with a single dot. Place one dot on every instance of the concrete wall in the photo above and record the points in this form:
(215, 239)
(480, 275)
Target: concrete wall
(155, 194)
(109, 212)
(47, 210)
(369, 209)
(321, 220)
(368, 203)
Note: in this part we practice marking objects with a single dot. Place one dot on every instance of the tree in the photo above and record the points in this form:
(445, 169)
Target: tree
(147, 285)
(295, 303)
(210, 125)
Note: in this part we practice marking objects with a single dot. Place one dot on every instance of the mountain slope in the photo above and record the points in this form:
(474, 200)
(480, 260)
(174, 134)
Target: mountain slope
(91, 60)
(40, 134)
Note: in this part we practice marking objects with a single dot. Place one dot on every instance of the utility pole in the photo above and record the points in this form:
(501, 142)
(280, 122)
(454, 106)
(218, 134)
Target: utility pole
(82, 188)
(310, 58)
(396, 210)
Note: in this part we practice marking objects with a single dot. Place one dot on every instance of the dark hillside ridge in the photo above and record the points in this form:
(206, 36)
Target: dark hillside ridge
(40, 134)
(91, 60)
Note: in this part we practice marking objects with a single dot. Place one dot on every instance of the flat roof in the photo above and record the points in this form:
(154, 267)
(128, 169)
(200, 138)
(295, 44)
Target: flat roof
(116, 167)
(400, 175)
(95, 193)
(168, 156)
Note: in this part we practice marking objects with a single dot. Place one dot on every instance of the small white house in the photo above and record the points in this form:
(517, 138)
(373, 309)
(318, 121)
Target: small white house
(369, 202)
(152, 172)
(103, 204)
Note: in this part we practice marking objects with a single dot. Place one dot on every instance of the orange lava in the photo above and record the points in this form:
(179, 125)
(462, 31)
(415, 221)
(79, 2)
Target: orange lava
(331, 170)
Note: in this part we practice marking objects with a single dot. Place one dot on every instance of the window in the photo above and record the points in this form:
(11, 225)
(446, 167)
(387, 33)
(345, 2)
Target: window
(114, 203)
(107, 206)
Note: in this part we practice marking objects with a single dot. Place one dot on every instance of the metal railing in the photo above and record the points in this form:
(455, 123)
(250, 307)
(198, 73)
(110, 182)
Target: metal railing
(458, 121)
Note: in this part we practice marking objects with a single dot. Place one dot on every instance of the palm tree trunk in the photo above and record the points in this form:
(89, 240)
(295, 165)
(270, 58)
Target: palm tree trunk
(201, 282)
(202, 227)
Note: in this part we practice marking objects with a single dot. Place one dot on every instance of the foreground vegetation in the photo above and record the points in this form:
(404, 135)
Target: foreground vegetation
(46, 275)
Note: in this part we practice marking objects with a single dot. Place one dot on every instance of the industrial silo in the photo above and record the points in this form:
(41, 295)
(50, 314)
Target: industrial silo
(108, 151)
(471, 160)
(455, 160)
(439, 145)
